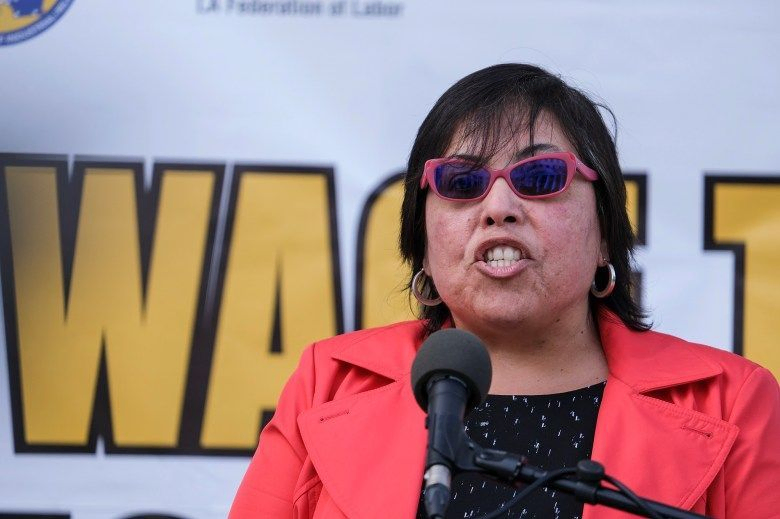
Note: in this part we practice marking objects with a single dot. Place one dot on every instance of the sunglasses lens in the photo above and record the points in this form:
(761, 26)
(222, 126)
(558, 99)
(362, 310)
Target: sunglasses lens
(460, 181)
(539, 177)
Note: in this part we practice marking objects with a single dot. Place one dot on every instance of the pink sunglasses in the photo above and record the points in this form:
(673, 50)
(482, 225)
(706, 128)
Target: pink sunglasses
(540, 176)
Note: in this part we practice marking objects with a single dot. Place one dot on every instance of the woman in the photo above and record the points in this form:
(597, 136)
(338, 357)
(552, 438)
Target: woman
(514, 224)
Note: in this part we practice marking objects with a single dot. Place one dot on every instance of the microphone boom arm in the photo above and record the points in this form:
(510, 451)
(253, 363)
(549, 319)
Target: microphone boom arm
(515, 471)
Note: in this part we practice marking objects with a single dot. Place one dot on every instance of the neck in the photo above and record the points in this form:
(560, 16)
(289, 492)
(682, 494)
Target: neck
(531, 360)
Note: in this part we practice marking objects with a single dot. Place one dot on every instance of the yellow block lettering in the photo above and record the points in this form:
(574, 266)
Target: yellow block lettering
(280, 293)
(742, 214)
(146, 341)
(636, 204)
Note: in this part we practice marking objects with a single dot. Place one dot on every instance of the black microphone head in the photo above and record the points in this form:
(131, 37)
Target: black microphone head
(452, 352)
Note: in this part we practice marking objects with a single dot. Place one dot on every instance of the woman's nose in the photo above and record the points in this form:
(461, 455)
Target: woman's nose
(501, 205)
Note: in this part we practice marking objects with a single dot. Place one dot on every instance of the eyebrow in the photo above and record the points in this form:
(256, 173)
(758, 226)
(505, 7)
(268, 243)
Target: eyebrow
(533, 149)
(528, 151)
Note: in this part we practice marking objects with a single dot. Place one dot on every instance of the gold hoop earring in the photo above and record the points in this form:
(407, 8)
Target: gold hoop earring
(423, 289)
(607, 290)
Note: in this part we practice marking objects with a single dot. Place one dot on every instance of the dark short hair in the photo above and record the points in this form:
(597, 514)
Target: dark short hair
(478, 108)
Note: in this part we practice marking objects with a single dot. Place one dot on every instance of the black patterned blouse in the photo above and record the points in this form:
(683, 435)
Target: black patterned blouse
(552, 431)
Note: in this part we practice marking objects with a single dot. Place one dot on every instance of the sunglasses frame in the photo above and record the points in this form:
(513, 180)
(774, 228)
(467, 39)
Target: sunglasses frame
(573, 165)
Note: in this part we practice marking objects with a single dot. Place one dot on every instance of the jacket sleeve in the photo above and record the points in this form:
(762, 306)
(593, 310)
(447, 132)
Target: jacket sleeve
(268, 487)
(752, 469)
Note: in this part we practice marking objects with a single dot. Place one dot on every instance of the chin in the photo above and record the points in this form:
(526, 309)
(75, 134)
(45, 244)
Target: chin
(495, 317)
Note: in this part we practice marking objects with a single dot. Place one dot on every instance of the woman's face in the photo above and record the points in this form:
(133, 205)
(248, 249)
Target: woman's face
(557, 240)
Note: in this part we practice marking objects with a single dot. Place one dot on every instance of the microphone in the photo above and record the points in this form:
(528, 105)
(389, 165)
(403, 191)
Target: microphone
(450, 375)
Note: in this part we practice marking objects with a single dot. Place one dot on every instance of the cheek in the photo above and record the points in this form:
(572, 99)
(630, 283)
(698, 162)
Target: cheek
(573, 238)
(447, 232)
(437, 248)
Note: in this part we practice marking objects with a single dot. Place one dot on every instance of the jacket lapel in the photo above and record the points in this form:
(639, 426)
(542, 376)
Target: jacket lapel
(663, 451)
(369, 448)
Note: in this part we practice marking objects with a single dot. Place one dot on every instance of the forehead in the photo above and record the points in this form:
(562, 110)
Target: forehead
(509, 134)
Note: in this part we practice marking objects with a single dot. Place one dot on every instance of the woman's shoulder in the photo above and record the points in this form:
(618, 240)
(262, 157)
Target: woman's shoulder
(647, 358)
(726, 360)
(355, 362)
(405, 331)
(735, 377)
(385, 350)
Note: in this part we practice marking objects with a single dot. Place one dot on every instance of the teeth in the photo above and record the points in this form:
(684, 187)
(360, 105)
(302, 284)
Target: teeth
(502, 256)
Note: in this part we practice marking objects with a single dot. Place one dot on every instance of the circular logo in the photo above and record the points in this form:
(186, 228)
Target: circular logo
(24, 19)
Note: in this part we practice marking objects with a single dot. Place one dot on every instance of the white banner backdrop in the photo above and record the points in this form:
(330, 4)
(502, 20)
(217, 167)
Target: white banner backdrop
(344, 84)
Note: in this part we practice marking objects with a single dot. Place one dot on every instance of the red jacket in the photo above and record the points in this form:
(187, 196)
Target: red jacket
(684, 424)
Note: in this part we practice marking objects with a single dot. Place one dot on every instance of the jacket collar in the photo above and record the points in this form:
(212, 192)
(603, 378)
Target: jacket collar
(390, 357)
(646, 365)
(644, 369)
(369, 448)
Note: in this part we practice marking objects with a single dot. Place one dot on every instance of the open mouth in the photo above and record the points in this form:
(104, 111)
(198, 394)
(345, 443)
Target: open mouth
(502, 256)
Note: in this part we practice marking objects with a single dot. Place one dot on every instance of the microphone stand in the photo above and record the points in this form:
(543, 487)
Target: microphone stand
(586, 487)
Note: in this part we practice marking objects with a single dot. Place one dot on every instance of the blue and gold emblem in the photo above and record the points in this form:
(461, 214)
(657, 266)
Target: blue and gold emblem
(21, 20)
